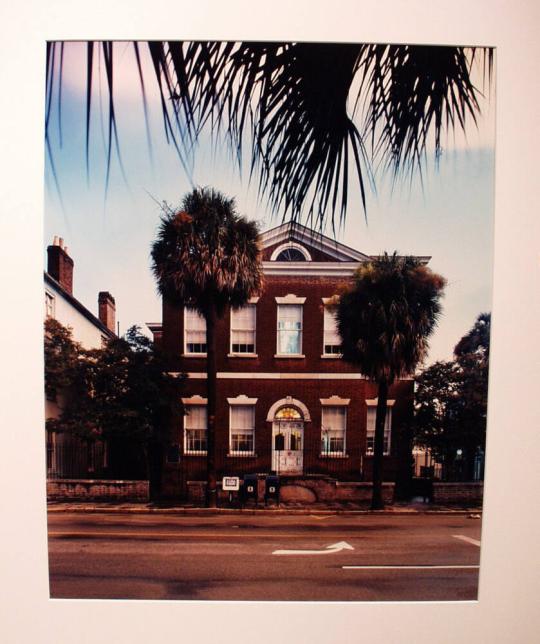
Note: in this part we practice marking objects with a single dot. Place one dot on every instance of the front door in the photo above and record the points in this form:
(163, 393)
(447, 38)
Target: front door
(287, 446)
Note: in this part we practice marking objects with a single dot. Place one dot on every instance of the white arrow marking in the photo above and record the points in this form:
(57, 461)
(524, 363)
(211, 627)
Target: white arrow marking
(335, 547)
(467, 539)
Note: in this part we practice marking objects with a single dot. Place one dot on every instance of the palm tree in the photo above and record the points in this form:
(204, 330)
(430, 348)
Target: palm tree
(207, 256)
(308, 110)
(384, 320)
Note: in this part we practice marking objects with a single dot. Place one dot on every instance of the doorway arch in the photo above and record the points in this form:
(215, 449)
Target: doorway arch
(288, 416)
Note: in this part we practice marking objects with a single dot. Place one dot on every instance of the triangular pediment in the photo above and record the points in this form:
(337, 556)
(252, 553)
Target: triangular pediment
(313, 245)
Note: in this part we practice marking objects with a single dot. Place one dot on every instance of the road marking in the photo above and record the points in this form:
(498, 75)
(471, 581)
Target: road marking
(474, 542)
(423, 567)
(322, 517)
(335, 547)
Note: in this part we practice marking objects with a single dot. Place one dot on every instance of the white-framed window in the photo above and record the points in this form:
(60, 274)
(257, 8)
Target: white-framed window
(290, 252)
(49, 305)
(370, 430)
(333, 430)
(242, 429)
(289, 329)
(195, 429)
(331, 337)
(243, 329)
(194, 332)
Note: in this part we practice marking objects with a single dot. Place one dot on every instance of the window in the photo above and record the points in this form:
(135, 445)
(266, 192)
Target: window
(291, 255)
(370, 436)
(242, 429)
(290, 252)
(49, 305)
(243, 328)
(194, 332)
(195, 425)
(289, 329)
(333, 425)
(331, 337)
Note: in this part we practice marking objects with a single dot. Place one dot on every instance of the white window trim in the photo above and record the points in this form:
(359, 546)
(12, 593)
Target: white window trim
(290, 299)
(194, 400)
(242, 399)
(185, 353)
(390, 403)
(289, 401)
(372, 402)
(291, 244)
(343, 452)
(247, 402)
(53, 304)
(335, 401)
(328, 356)
(233, 354)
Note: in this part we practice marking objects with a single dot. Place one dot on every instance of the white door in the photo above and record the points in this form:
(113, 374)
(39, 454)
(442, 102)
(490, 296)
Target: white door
(287, 446)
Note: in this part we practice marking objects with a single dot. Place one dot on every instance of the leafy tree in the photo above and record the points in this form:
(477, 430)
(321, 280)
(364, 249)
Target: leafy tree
(294, 101)
(119, 393)
(207, 257)
(385, 319)
(67, 381)
(476, 341)
(451, 403)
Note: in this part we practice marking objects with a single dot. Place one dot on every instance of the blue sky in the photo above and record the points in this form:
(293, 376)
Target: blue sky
(448, 216)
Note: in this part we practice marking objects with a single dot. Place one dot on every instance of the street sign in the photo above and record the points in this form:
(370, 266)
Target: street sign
(231, 483)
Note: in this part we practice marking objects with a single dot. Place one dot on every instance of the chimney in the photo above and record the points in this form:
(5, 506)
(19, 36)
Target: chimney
(60, 264)
(107, 309)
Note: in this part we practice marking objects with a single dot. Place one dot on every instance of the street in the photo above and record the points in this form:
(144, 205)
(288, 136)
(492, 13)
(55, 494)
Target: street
(249, 557)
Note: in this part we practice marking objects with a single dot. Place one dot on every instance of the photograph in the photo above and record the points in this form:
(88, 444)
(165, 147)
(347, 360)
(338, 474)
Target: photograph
(268, 292)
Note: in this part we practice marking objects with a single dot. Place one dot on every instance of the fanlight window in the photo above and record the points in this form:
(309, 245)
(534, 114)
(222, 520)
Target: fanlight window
(291, 255)
(288, 413)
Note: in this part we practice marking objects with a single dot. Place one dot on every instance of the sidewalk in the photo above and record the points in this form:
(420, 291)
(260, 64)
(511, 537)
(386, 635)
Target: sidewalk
(347, 508)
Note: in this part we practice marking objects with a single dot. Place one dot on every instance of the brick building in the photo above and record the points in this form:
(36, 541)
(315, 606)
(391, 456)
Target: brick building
(286, 401)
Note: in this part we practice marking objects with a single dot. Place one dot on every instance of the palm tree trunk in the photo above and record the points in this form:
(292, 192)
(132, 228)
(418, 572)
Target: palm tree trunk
(377, 502)
(211, 382)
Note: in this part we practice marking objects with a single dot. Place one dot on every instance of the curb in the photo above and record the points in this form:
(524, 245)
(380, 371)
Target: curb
(96, 509)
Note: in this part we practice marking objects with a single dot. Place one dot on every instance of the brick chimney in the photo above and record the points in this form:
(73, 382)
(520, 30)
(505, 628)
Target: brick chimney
(60, 264)
(107, 310)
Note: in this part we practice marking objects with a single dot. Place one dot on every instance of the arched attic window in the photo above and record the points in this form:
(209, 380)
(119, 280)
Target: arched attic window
(291, 252)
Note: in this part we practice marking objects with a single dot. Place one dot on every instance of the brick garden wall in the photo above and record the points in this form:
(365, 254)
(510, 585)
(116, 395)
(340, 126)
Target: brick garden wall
(458, 493)
(95, 490)
(306, 491)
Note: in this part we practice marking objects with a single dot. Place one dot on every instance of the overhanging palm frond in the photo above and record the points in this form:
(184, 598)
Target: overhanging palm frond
(292, 100)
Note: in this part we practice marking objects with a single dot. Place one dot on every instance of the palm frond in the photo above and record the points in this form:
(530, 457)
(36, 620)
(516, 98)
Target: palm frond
(292, 101)
(205, 253)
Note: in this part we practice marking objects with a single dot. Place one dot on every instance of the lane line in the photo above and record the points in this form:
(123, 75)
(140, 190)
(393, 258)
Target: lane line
(474, 542)
(423, 567)
(179, 535)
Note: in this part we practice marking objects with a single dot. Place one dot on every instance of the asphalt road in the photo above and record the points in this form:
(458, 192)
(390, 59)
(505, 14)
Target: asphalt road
(250, 557)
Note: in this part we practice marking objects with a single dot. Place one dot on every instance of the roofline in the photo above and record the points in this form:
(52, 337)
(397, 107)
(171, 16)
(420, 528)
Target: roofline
(77, 305)
(317, 239)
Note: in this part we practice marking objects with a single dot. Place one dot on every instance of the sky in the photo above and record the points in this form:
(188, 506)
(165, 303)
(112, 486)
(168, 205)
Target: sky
(447, 215)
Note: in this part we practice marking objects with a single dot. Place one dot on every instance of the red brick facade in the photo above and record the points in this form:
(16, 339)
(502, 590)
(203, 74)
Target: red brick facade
(269, 379)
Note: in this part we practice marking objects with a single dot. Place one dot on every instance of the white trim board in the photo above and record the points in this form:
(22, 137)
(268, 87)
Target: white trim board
(254, 375)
